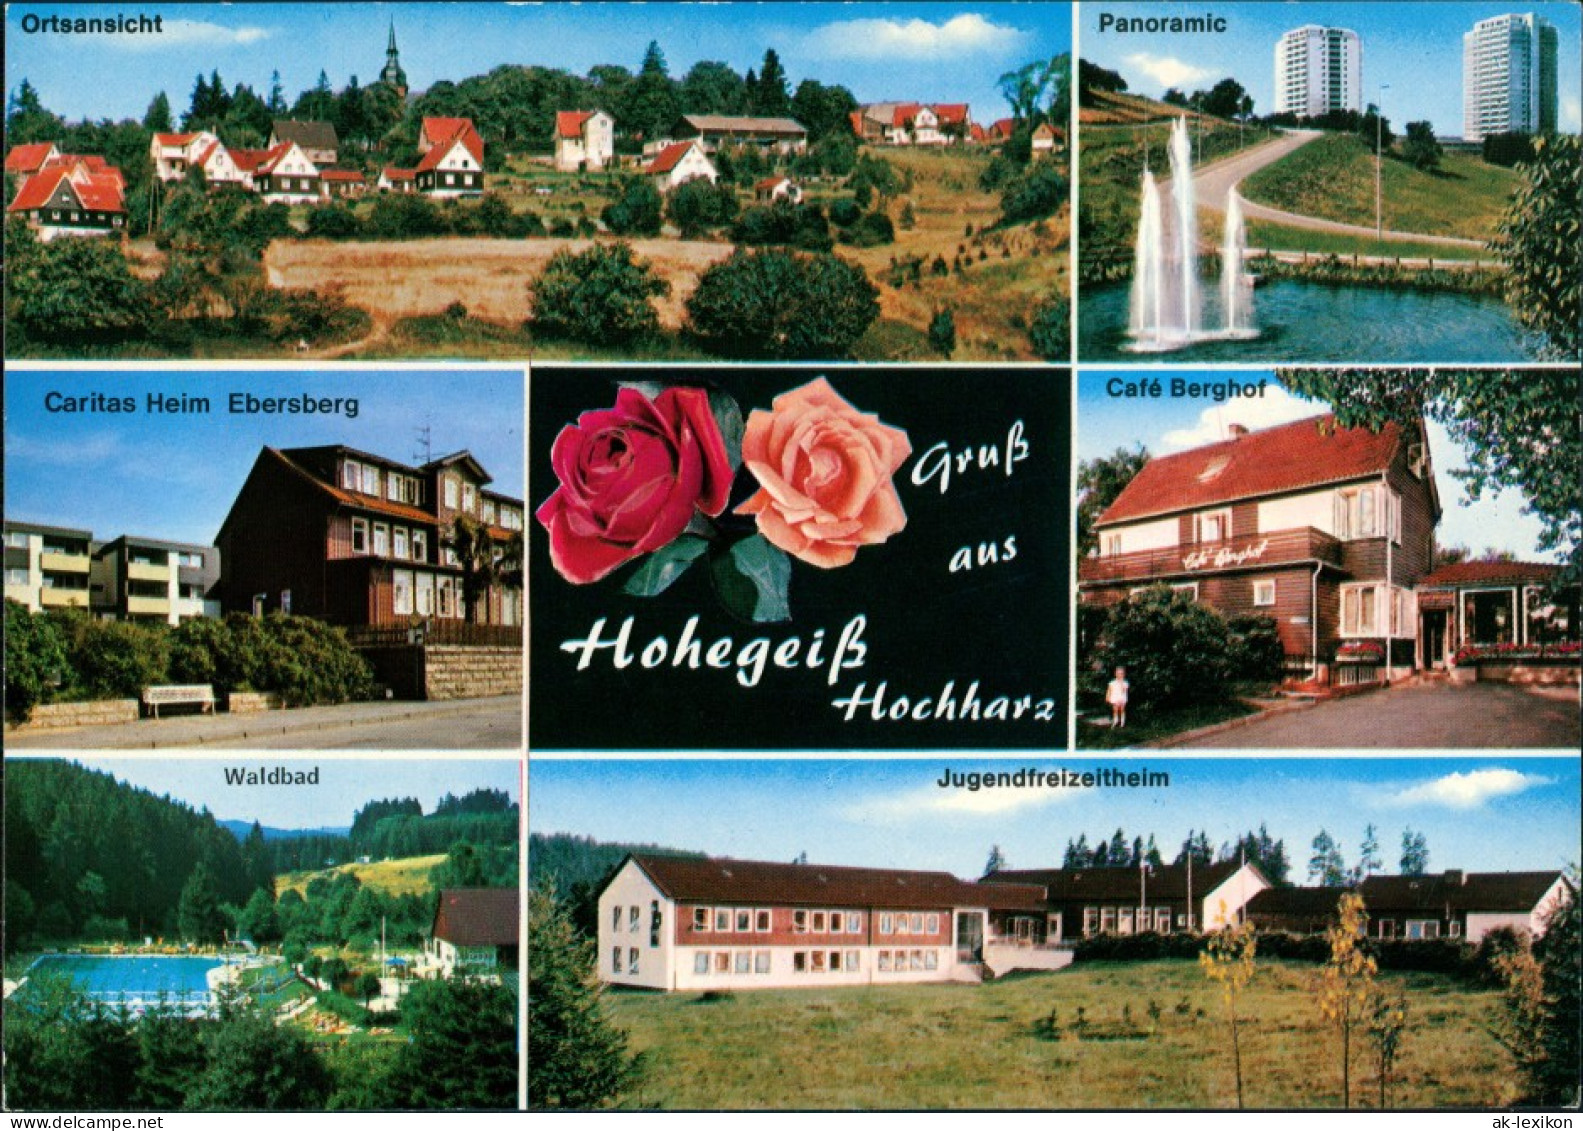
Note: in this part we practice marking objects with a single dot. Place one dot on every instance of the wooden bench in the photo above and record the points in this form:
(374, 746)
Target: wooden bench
(200, 695)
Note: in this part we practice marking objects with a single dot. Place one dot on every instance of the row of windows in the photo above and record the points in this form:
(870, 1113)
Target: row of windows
(902, 960)
(731, 962)
(1419, 929)
(913, 923)
(1128, 920)
(79, 217)
(425, 594)
(632, 960)
(1378, 610)
(364, 478)
(826, 961)
(386, 541)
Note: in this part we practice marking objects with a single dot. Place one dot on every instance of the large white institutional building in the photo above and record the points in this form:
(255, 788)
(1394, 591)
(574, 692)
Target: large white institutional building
(1318, 69)
(1509, 76)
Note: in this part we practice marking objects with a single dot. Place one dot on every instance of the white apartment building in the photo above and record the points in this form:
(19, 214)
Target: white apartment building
(1509, 76)
(1318, 69)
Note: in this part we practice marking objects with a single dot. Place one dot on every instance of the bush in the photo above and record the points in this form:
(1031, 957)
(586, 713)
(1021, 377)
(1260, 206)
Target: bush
(117, 659)
(1174, 649)
(775, 304)
(305, 661)
(76, 291)
(1036, 194)
(697, 206)
(637, 212)
(1256, 650)
(1050, 331)
(301, 315)
(872, 229)
(36, 665)
(783, 224)
(404, 216)
(1508, 149)
(334, 222)
(942, 332)
(600, 296)
(844, 212)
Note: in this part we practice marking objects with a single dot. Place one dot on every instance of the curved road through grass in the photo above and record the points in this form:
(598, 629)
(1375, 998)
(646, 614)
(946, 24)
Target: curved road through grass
(1213, 184)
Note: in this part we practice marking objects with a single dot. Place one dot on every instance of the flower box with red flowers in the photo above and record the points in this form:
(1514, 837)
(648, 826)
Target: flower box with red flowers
(1360, 652)
(1568, 651)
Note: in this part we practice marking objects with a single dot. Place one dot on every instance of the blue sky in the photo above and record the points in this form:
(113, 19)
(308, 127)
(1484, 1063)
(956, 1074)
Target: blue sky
(175, 477)
(929, 52)
(1105, 423)
(1494, 814)
(345, 785)
(1414, 47)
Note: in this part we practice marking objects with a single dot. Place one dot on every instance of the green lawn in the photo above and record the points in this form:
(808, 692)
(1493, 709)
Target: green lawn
(1145, 727)
(389, 877)
(1333, 178)
(960, 1046)
(1280, 237)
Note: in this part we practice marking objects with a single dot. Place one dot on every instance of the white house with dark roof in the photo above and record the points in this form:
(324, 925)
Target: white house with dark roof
(452, 162)
(697, 923)
(475, 931)
(1162, 898)
(317, 140)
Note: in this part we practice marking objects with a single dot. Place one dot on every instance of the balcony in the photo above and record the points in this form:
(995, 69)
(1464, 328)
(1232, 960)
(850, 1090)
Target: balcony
(53, 561)
(148, 606)
(147, 571)
(63, 598)
(1258, 551)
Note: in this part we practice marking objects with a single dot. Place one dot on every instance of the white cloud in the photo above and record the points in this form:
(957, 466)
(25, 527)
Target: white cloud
(192, 33)
(896, 40)
(1467, 791)
(1165, 70)
(1571, 114)
(930, 802)
(1276, 406)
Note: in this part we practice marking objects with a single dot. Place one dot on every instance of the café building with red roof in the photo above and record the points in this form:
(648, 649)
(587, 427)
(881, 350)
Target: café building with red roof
(1328, 531)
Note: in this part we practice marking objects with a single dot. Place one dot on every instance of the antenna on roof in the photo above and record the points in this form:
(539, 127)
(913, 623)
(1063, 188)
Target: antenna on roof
(425, 445)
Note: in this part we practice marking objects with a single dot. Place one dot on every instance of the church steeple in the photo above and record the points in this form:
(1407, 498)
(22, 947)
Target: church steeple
(393, 75)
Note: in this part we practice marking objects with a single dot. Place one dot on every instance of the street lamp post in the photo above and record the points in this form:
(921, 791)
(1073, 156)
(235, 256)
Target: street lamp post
(1379, 119)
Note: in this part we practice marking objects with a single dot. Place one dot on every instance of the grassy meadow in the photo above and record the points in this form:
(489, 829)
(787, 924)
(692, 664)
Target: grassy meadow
(1005, 275)
(963, 1046)
(389, 877)
(1332, 177)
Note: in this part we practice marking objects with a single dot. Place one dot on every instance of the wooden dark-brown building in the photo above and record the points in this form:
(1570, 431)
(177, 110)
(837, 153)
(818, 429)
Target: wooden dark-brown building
(357, 539)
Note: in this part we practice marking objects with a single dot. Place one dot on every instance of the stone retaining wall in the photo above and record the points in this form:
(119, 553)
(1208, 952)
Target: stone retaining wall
(447, 671)
(53, 715)
(252, 702)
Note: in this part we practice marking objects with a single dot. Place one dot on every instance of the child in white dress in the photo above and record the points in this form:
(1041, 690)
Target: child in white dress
(1116, 696)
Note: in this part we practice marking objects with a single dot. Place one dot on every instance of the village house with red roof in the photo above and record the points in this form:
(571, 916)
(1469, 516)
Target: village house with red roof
(678, 163)
(913, 123)
(452, 161)
(1328, 531)
(584, 139)
(70, 199)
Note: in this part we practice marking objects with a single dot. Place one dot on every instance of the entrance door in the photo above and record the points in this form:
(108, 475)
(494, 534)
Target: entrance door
(969, 936)
(1435, 638)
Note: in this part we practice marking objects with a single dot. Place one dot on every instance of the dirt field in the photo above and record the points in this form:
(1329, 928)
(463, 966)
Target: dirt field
(489, 277)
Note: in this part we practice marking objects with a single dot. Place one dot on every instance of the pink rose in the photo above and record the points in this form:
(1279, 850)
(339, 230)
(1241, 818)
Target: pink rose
(825, 475)
(631, 477)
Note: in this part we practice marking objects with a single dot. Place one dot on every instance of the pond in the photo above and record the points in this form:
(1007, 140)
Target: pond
(1315, 322)
(138, 980)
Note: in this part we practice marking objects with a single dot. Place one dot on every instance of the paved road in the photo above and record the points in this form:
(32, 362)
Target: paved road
(1213, 183)
(457, 724)
(1419, 715)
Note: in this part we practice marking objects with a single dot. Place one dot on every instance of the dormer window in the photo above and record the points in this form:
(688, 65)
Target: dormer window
(1213, 469)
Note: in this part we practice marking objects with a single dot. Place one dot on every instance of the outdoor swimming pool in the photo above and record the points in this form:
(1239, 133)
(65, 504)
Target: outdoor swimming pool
(138, 980)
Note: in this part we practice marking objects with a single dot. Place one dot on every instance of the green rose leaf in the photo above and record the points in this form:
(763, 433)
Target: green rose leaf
(650, 389)
(728, 416)
(664, 566)
(752, 579)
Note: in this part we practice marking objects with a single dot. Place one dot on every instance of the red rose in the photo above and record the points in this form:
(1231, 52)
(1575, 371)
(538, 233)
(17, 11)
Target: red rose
(631, 477)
